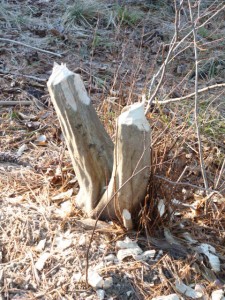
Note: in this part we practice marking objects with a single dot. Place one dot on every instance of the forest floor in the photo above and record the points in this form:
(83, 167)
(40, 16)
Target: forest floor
(116, 48)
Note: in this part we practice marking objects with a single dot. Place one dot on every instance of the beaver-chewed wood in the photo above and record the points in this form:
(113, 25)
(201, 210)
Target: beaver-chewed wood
(131, 169)
(112, 184)
(89, 145)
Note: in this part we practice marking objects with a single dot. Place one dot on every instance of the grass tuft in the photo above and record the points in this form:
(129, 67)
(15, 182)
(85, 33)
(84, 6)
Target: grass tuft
(84, 13)
(127, 16)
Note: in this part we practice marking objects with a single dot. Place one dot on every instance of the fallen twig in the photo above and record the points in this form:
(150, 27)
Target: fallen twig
(14, 103)
(25, 45)
(23, 75)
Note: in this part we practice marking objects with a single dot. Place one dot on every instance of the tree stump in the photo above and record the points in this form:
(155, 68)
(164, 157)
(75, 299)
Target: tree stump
(90, 147)
(131, 167)
(112, 184)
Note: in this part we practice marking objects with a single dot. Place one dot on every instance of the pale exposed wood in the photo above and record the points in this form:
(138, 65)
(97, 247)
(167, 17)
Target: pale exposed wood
(127, 220)
(131, 154)
(90, 147)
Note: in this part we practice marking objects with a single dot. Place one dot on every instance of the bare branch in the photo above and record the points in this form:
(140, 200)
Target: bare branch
(196, 98)
(164, 65)
(190, 95)
(174, 47)
(202, 25)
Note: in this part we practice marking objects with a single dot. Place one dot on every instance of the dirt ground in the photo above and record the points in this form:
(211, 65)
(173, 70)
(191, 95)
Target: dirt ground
(116, 47)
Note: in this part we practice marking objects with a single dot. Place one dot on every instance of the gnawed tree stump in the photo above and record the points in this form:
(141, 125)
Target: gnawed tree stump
(131, 168)
(112, 185)
(89, 145)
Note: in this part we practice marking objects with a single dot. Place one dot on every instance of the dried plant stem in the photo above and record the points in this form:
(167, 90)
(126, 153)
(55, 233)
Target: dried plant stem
(196, 111)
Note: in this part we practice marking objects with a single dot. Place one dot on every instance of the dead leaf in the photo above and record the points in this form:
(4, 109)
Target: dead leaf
(39, 265)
